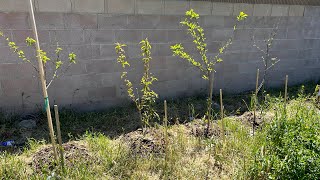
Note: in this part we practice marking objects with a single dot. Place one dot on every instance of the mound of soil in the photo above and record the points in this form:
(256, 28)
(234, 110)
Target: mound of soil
(198, 128)
(152, 141)
(248, 118)
(72, 152)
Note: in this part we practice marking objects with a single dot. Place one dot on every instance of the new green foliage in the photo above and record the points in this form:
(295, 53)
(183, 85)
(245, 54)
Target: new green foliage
(144, 102)
(57, 63)
(207, 64)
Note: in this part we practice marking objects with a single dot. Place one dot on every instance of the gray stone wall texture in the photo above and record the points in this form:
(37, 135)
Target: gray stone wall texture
(90, 29)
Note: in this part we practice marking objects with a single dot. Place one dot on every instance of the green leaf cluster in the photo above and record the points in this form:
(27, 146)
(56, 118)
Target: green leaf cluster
(206, 65)
(57, 63)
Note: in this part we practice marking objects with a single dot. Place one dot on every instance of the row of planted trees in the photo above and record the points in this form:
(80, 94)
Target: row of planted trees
(145, 98)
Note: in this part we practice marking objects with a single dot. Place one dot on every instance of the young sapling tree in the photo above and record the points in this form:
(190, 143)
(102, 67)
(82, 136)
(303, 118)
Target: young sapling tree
(267, 59)
(207, 64)
(146, 98)
(58, 67)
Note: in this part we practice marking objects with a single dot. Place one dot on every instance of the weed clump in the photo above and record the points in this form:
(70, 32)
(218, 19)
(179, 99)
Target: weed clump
(292, 145)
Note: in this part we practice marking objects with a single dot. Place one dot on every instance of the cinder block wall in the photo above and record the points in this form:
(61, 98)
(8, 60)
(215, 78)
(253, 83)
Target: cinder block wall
(90, 29)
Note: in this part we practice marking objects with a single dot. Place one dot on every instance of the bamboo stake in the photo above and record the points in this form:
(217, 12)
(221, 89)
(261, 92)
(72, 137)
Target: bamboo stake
(286, 92)
(255, 101)
(222, 114)
(56, 109)
(43, 80)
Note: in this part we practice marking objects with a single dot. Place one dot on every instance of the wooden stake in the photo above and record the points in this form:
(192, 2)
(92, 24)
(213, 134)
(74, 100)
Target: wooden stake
(210, 102)
(165, 114)
(255, 101)
(166, 133)
(43, 80)
(56, 109)
(286, 92)
(222, 114)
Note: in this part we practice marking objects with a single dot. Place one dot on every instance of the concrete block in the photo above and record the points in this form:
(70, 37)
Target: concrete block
(77, 69)
(176, 7)
(150, 6)
(295, 34)
(19, 36)
(269, 22)
(82, 21)
(112, 21)
(220, 34)
(85, 52)
(311, 33)
(53, 6)
(6, 33)
(161, 50)
(311, 43)
(179, 36)
(288, 44)
(66, 36)
(168, 74)
(280, 10)
(243, 34)
(103, 66)
(134, 51)
(50, 20)
(222, 9)
(169, 22)
(99, 36)
(12, 71)
(242, 46)
(102, 93)
(246, 8)
(230, 21)
(300, 22)
(14, 6)
(264, 34)
(175, 88)
(92, 6)
(120, 6)
(126, 36)
(285, 54)
(144, 21)
(108, 52)
(201, 7)
(155, 36)
(213, 21)
(262, 9)
(296, 10)
(77, 82)
(158, 62)
(17, 20)
(16, 87)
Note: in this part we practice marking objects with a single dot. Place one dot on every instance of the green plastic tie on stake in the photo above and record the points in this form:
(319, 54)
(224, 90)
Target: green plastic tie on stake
(46, 103)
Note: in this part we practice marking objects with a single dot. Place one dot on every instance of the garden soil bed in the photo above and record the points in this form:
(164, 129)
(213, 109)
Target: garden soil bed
(72, 152)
